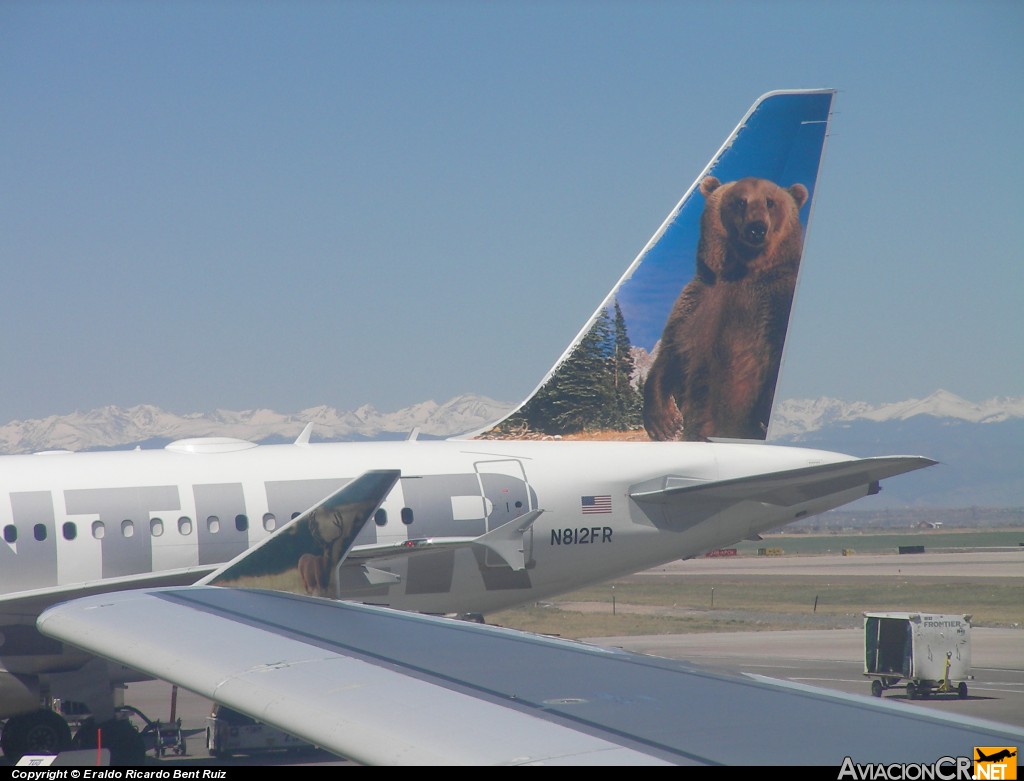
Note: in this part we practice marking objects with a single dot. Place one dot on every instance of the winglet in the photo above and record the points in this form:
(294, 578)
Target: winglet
(689, 342)
(304, 555)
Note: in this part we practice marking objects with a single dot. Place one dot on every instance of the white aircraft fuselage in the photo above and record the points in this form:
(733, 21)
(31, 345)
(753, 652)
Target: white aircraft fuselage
(197, 503)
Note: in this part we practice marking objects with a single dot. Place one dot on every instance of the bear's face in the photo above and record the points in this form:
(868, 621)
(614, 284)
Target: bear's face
(754, 211)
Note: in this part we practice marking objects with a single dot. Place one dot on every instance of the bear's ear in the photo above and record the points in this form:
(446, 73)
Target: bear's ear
(710, 184)
(799, 193)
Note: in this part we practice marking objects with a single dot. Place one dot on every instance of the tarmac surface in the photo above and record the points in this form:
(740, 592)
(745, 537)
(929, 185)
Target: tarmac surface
(834, 659)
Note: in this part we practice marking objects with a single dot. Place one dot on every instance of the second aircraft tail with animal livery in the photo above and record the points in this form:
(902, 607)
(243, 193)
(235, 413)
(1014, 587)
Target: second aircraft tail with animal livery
(688, 344)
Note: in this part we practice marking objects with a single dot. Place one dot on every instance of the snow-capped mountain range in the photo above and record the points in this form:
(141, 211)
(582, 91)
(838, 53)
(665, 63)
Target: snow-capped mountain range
(801, 416)
(112, 426)
(119, 427)
(978, 445)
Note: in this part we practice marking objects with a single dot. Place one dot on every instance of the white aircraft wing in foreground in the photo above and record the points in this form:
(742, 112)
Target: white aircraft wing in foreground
(388, 687)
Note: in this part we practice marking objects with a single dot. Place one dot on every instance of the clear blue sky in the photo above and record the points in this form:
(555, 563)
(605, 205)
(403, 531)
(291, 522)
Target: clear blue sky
(234, 205)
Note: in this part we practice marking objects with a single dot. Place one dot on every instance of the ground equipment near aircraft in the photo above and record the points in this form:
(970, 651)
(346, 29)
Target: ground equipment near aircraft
(160, 737)
(229, 732)
(931, 652)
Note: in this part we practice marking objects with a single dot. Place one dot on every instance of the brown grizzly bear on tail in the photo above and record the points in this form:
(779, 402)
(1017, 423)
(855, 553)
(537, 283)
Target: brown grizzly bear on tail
(718, 362)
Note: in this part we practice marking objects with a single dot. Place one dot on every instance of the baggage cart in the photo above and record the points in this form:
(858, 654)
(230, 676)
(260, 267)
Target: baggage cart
(931, 652)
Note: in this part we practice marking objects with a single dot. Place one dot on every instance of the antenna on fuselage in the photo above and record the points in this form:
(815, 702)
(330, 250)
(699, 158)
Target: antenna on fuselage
(303, 438)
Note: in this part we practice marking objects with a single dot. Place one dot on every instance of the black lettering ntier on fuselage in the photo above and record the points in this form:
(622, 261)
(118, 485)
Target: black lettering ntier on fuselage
(582, 536)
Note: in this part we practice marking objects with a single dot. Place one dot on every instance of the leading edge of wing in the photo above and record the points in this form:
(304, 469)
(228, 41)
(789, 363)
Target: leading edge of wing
(788, 487)
(32, 602)
(386, 687)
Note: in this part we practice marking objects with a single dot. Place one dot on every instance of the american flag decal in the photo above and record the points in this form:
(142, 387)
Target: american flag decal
(591, 505)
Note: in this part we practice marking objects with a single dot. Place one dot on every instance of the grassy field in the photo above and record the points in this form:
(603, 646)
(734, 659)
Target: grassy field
(744, 603)
(876, 542)
(683, 603)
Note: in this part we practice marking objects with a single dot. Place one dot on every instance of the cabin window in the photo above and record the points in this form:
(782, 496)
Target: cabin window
(10, 533)
(295, 515)
(241, 523)
(39, 531)
(406, 515)
(127, 529)
(213, 524)
(269, 522)
(380, 517)
(156, 527)
(184, 526)
(70, 530)
(98, 530)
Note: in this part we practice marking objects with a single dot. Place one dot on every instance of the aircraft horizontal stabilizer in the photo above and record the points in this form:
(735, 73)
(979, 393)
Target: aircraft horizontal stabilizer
(789, 487)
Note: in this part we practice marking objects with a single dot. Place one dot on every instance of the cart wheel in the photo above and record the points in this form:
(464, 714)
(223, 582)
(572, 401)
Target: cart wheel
(876, 688)
(911, 690)
(961, 691)
(889, 683)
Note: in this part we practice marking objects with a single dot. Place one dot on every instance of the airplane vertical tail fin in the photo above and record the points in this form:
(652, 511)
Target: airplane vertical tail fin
(689, 342)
